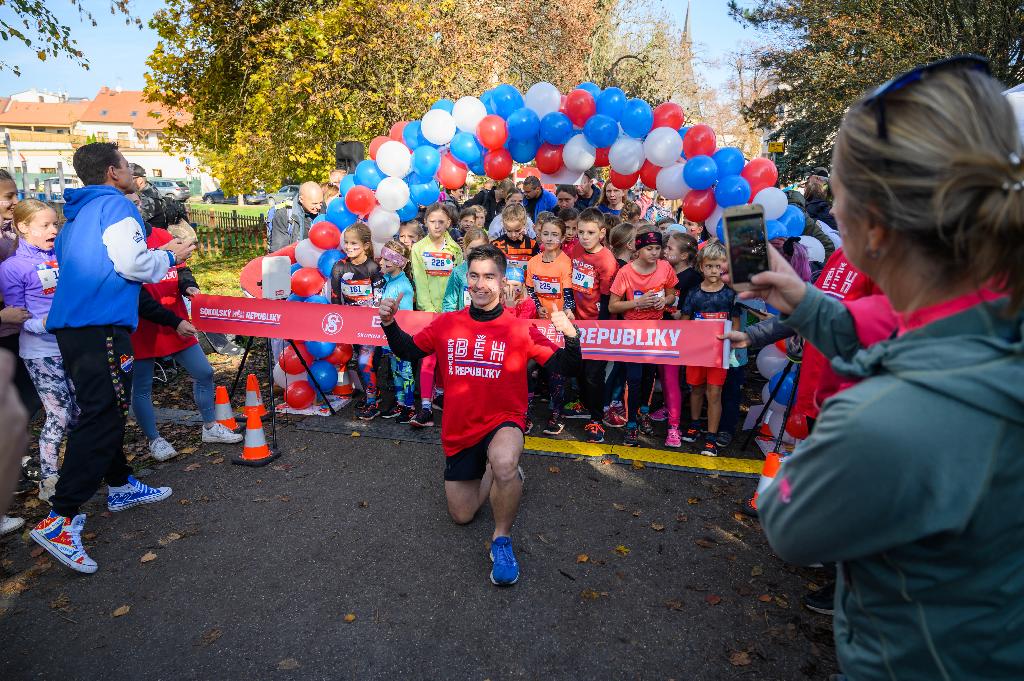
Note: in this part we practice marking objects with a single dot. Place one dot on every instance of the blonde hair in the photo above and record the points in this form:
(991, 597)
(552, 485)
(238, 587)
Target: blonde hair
(411, 225)
(330, 190)
(621, 237)
(26, 210)
(713, 250)
(514, 213)
(362, 231)
(630, 211)
(473, 234)
(401, 249)
(687, 244)
(944, 179)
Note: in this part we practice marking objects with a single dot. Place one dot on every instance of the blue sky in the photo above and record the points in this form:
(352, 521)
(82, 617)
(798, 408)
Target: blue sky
(117, 53)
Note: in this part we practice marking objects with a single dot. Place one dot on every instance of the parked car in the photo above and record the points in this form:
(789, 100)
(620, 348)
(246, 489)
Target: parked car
(172, 188)
(217, 196)
(286, 193)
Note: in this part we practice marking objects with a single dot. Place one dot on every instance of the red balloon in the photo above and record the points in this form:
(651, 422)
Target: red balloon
(579, 106)
(290, 362)
(325, 235)
(699, 204)
(699, 141)
(623, 181)
(561, 104)
(307, 282)
(668, 115)
(549, 158)
(341, 355)
(396, 130)
(498, 164)
(375, 145)
(288, 250)
(797, 426)
(601, 160)
(761, 173)
(299, 395)
(360, 200)
(452, 172)
(492, 131)
(649, 174)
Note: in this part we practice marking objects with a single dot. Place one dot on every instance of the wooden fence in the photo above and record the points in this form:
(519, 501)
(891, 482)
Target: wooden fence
(228, 233)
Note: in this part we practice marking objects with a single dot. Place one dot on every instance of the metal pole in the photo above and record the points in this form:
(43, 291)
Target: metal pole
(60, 178)
(10, 152)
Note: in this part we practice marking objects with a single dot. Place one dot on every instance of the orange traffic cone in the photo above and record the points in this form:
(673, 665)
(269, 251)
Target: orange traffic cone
(765, 432)
(344, 386)
(253, 400)
(768, 471)
(255, 451)
(222, 411)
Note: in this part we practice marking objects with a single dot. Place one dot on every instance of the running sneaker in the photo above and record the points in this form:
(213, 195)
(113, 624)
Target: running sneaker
(10, 524)
(424, 418)
(555, 425)
(709, 448)
(439, 401)
(529, 426)
(659, 415)
(218, 432)
(632, 438)
(575, 410)
(505, 571)
(724, 438)
(673, 438)
(368, 413)
(407, 415)
(692, 432)
(132, 494)
(62, 538)
(747, 508)
(613, 418)
(394, 412)
(595, 433)
(645, 424)
(821, 601)
(162, 450)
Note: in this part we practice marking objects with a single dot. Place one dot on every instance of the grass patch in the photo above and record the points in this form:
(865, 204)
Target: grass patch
(225, 208)
(218, 274)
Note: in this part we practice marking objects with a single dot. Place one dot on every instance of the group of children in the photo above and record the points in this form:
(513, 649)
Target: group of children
(589, 264)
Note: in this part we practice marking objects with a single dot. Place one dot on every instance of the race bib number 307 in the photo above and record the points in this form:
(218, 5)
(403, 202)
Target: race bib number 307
(438, 264)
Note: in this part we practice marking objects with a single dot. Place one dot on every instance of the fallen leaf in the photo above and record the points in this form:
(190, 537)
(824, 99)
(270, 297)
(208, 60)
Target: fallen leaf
(674, 605)
(106, 514)
(591, 595)
(36, 552)
(811, 586)
(619, 507)
(211, 636)
(89, 536)
(657, 527)
(355, 433)
(193, 467)
(781, 602)
(288, 663)
(32, 503)
(712, 599)
(606, 462)
(60, 602)
(693, 500)
(173, 536)
(364, 504)
(187, 450)
(582, 558)
(636, 514)
(756, 571)
(219, 459)
(284, 497)
(739, 658)
(622, 550)
(739, 517)
(554, 470)
(122, 611)
(638, 465)
(682, 517)
(765, 598)
(704, 543)
(350, 618)
(184, 502)
(148, 557)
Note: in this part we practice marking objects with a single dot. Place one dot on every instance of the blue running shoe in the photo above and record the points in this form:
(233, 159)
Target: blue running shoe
(62, 538)
(133, 494)
(506, 570)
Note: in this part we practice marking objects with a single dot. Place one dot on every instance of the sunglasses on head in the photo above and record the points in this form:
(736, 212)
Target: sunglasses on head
(965, 62)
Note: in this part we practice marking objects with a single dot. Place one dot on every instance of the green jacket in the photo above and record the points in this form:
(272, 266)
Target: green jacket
(912, 481)
(430, 289)
(455, 292)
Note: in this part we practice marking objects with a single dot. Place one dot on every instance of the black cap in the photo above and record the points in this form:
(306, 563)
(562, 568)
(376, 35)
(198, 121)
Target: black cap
(137, 170)
(820, 172)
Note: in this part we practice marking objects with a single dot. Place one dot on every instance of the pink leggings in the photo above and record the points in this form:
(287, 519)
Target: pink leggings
(669, 375)
(427, 367)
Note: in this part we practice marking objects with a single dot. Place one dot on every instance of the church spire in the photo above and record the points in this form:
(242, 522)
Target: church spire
(687, 38)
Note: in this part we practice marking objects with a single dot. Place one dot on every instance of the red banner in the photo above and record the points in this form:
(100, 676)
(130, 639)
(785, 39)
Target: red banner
(692, 343)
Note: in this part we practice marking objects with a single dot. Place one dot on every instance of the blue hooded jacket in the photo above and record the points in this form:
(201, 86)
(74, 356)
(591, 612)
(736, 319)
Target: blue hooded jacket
(545, 202)
(103, 260)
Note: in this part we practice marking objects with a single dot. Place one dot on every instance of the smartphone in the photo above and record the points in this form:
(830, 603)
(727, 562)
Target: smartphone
(746, 241)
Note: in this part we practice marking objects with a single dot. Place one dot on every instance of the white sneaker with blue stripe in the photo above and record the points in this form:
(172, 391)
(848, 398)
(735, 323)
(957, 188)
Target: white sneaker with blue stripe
(133, 494)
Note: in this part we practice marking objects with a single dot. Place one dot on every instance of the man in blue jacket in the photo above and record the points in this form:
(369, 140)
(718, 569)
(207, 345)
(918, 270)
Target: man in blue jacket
(538, 199)
(103, 260)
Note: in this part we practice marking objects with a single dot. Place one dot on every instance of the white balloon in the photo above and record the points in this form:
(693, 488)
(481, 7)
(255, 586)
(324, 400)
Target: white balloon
(394, 159)
(663, 146)
(770, 361)
(467, 113)
(379, 245)
(815, 249)
(306, 254)
(392, 193)
(626, 155)
(712, 222)
(563, 176)
(578, 154)
(438, 126)
(283, 379)
(543, 98)
(670, 182)
(383, 224)
(774, 202)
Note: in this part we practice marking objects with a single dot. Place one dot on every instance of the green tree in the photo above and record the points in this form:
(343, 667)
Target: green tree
(824, 56)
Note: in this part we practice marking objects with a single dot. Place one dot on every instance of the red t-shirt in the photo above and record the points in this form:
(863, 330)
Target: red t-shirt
(151, 339)
(483, 369)
(592, 276)
(630, 284)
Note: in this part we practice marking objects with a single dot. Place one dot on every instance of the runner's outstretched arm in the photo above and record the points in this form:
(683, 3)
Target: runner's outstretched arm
(401, 343)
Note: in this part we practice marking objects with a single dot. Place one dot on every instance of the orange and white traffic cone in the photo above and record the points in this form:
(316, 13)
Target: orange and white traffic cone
(768, 472)
(222, 411)
(255, 451)
(344, 386)
(253, 400)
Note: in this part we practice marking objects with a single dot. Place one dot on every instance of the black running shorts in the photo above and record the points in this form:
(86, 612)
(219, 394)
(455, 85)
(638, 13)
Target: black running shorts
(471, 462)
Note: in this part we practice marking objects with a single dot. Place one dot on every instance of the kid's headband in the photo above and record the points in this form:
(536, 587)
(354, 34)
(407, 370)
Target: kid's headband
(648, 239)
(516, 274)
(393, 257)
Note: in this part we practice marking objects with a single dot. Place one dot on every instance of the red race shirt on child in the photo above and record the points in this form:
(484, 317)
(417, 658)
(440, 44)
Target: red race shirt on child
(630, 284)
(592, 276)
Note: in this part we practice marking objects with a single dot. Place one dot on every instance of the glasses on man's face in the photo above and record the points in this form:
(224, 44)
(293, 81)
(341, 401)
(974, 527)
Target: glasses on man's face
(966, 62)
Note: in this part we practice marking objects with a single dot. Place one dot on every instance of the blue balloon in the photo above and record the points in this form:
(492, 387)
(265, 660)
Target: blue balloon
(611, 102)
(637, 118)
(412, 135)
(478, 168)
(775, 229)
(794, 220)
(319, 349)
(593, 88)
(425, 161)
(488, 99)
(368, 174)
(463, 147)
(731, 191)
(720, 230)
(326, 262)
(556, 128)
(682, 134)
(601, 130)
(523, 124)
(524, 150)
(425, 194)
(729, 160)
(444, 105)
(320, 218)
(700, 172)
(786, 391)
(346, 183)
(337, 214)
(506, 100)
(318, 299)
(408, 211)
(295, 298)
(325, 374)
(295, 268)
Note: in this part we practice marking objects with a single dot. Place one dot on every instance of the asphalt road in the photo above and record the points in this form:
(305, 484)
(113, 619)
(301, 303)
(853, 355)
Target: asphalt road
(627, 573)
